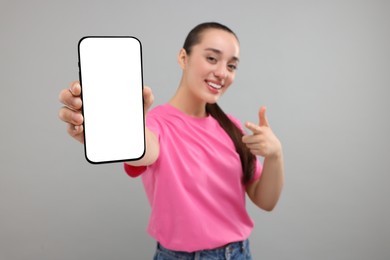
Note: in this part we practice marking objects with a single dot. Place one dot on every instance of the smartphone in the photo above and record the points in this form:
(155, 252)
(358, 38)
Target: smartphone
(110, 71)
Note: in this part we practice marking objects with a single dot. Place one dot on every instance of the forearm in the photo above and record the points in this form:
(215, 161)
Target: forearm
(269, 187)
(151, 152)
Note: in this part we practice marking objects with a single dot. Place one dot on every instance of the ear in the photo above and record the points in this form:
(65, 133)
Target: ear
(182, 58)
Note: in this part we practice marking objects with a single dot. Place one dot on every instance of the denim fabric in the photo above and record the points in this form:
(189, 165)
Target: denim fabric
(232, 251)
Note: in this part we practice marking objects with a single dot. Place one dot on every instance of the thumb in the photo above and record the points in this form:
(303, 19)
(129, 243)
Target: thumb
(263, 121)
(148, 98)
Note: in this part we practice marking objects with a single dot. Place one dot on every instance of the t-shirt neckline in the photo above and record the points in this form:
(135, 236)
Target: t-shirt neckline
(178, 112)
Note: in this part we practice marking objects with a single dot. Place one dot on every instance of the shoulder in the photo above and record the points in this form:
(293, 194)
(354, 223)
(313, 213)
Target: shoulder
(158, 113)
(160, 109)
(235, 121)
(159, 118)
(164, 110)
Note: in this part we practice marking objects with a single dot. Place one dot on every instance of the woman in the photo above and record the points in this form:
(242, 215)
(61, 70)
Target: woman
(198, 163)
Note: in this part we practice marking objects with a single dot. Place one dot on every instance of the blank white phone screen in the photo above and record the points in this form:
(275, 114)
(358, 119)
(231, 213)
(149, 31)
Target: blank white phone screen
(111, 86)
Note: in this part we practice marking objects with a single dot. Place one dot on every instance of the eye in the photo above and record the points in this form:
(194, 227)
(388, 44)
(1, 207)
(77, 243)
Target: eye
(211, 59)
(232, 67)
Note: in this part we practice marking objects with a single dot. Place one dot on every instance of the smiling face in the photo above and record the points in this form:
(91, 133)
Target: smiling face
(210, 67)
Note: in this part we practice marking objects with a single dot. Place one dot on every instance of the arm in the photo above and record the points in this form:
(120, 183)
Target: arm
(265, 192)
(152, 143)
(152, 150)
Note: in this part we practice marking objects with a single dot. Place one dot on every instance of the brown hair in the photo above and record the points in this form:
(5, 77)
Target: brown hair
(247, 158)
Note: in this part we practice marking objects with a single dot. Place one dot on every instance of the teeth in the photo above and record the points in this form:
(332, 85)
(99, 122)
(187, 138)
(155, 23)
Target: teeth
(216, 86)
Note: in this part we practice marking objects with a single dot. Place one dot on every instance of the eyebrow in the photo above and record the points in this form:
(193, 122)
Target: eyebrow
(216, 51)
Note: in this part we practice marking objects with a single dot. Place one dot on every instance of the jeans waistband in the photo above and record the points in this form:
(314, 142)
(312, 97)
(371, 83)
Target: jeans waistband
(232, 250)
(237, 244)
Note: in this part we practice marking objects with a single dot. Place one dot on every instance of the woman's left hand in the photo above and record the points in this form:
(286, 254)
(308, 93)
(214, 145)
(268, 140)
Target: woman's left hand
(262, 141)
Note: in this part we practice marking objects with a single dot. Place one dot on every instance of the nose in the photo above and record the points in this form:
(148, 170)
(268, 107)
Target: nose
(220, 72)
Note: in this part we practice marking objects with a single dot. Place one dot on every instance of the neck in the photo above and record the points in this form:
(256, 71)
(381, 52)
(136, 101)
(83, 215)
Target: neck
(188, 103)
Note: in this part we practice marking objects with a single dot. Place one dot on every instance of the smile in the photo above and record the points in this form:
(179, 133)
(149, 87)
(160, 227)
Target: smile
(214, 85)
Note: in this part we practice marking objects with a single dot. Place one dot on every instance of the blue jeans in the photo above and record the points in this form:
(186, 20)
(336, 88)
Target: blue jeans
(234, 251)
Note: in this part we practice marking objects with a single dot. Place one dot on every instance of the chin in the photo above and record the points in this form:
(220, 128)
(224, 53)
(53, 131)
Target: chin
(212, 101)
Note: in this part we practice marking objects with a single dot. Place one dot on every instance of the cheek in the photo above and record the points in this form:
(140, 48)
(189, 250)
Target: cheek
(230, 78)
(197, 70)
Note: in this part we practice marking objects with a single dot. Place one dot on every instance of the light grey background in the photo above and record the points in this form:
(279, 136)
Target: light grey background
(321, 67)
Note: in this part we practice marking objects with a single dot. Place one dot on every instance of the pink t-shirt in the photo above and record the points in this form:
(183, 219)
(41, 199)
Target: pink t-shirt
(194, 188)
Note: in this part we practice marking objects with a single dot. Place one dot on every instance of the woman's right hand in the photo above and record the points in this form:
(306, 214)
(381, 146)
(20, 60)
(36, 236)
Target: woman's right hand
(70, 113)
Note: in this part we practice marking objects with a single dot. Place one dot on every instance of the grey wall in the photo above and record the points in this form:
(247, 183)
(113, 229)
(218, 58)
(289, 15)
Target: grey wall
(321, 67)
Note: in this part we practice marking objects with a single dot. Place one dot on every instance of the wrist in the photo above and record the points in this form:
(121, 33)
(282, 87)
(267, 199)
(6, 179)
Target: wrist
(276, 155)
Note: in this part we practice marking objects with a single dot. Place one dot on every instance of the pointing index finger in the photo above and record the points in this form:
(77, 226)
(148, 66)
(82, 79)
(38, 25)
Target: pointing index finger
(263, 121)
(253, 127)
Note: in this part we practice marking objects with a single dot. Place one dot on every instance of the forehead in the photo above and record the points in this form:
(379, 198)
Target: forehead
(220, 40)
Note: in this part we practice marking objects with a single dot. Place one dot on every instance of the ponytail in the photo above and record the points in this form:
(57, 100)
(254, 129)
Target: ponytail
(247, 158)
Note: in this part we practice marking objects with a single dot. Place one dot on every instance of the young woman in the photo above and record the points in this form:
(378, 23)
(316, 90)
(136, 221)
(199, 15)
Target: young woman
(199, 163)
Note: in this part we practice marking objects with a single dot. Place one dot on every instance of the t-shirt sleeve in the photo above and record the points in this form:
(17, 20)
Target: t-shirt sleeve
(154, 126)
(134, 171)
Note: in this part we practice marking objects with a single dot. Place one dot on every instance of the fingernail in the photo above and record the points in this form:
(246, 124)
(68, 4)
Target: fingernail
(73, 88)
